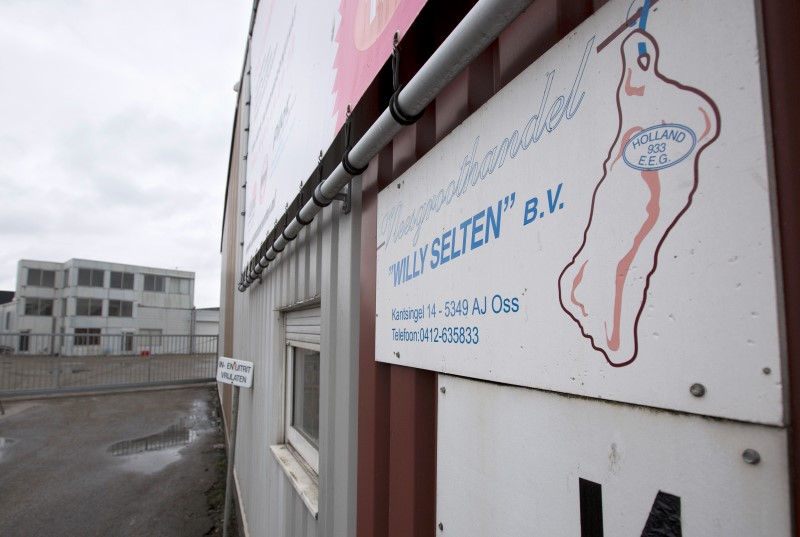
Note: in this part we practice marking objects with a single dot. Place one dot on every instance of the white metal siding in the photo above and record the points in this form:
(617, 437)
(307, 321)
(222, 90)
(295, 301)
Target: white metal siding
(172, 322)
(206, 328)
(151, 317)
(322, 262)
(178, 322)
(303, 325)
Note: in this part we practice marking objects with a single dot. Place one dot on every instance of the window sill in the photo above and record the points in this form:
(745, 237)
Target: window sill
(302, 478)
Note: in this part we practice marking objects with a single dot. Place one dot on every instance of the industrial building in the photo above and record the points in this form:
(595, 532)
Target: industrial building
(88, 307)
(515, 267)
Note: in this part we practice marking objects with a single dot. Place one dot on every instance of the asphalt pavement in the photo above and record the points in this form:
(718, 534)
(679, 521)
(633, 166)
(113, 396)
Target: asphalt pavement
(146, 463)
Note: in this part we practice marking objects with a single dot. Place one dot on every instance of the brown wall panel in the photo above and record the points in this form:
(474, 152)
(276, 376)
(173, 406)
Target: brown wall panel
(412, 466)
(404, 150)
(481, 76)
(229, 268)
(571, 13)
(373, 377)
(782, 42)
(528, 37)
(397, 406)
(452, 105)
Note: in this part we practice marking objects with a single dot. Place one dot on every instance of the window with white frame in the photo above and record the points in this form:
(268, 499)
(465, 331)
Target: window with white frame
(120, 308)
(41, 278)
(303, 384)
(39, 306)
(153, 282)
(179, 286)
(121, 280)
(91, 307)
(88, 277)
(302, 401)
(87, 337)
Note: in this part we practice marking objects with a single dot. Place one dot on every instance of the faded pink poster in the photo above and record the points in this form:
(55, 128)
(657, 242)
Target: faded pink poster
(365, 42)
(308, 61)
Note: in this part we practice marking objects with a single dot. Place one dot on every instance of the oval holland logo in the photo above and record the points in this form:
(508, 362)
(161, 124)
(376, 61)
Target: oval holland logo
(659, 147)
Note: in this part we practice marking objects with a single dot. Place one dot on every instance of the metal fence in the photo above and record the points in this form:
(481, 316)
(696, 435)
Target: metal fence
(107, 363)
(90, 342)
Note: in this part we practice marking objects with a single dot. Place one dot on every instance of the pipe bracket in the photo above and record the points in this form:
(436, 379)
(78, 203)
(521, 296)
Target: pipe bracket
(398, 114)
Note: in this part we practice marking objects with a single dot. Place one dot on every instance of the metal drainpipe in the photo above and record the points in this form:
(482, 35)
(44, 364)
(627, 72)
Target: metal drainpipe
(476, 31)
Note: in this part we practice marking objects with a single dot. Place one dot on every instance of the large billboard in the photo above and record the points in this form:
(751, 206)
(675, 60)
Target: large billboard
(603, 225)
(308, 62)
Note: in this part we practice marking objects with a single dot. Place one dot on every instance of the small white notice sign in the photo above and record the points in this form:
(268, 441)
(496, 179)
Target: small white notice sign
(236, 372)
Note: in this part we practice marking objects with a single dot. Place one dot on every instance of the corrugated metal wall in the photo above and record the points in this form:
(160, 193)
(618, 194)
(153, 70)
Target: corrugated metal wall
(396, 451)
(322, 263)
(229, 260)
(303, 325)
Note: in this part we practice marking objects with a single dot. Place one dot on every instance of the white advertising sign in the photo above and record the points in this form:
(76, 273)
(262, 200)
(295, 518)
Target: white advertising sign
(602, 226)
(236, 372)
(517, 462)
(308, 61)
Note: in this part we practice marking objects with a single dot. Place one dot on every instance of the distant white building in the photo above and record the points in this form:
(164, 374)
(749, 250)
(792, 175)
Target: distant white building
(206, 322)
(83, 306)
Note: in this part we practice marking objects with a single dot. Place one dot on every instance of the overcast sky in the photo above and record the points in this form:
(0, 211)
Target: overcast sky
(115, 126)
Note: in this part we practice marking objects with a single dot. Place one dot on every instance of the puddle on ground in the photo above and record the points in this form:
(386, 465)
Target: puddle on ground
(70, 368)
(152, 453)
(175, 435)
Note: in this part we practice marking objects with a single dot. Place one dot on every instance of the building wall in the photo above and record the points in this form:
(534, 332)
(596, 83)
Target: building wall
(169, 311)
(398, 404)
(396, 446)
(320, 265)
(229, 252)
(206, 322)
(397, 412)
(8, 317)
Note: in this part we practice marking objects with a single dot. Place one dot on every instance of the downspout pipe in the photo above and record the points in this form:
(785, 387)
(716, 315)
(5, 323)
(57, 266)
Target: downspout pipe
(476, 31)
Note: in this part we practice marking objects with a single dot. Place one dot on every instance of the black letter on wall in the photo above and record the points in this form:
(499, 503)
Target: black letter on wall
(664, 519)
(591, 508)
